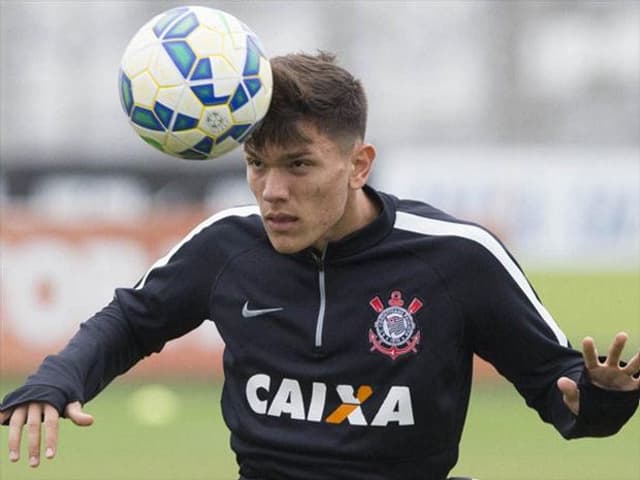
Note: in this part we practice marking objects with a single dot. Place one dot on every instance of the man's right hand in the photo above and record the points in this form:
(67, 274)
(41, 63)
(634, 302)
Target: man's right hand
(34, 415)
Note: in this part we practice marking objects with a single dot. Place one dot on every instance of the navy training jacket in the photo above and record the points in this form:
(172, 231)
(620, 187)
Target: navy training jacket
(353, 363)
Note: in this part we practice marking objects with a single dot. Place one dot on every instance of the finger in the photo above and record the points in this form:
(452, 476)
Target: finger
(51, 422)
(570, 394)
(4, 416)
(34, 422)
(74, 412)
(590, 353)
(615, 349)
(633, 367)
(16, 423)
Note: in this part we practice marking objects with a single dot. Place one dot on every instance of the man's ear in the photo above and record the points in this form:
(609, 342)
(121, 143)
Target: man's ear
(361, 162)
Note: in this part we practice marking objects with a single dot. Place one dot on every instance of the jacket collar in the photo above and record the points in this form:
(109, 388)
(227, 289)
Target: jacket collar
(367, 236)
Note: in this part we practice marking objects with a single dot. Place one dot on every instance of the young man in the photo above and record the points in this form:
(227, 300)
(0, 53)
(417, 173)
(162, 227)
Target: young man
(350, 317)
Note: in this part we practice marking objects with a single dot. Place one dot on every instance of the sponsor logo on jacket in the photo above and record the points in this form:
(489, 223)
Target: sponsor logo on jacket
(288, 401)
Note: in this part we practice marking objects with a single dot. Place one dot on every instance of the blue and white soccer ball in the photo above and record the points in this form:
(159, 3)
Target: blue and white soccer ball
(194, 82)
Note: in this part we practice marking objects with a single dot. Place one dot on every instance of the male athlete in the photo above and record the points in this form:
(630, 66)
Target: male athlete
(350, 317)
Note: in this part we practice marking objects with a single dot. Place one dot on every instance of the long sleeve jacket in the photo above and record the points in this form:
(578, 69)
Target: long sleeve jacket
(353, 363)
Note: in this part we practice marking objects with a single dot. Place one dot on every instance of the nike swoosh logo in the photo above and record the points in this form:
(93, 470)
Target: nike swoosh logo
(247, 313)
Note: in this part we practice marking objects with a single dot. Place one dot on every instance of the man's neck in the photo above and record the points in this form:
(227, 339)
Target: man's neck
(361, 210)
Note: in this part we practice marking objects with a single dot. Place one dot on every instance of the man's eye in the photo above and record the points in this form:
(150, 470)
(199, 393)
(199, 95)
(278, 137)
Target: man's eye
(299, 164)
(254, 163)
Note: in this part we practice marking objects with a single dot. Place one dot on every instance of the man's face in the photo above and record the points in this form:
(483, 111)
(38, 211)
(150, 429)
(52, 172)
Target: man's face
(303, 191)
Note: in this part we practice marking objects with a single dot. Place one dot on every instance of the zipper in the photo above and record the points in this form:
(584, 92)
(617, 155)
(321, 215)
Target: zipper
(319, 260)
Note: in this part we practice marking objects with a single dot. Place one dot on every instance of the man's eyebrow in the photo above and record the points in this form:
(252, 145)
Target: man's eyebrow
(291, 155)
(295, 154)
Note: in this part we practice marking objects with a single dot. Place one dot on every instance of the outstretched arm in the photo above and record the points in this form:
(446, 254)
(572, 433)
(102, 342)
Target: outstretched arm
(511, 329)
(608, 374)
(171, 300)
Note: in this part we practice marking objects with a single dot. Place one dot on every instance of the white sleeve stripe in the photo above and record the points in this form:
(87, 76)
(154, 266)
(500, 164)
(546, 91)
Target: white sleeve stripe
(428, 226)
(231, 212)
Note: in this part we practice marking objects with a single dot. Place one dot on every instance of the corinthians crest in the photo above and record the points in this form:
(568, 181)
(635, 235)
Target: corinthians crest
(394, 327)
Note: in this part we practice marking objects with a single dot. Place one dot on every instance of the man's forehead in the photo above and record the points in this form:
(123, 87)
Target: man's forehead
(276, 151)
(308, 139)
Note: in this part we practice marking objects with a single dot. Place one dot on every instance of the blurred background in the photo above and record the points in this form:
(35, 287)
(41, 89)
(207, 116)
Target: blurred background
(520, 115)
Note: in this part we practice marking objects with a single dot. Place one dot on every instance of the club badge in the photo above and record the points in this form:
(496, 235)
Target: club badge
(393, 333)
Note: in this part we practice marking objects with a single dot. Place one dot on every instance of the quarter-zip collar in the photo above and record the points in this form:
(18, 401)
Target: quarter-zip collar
(369, 235)
(363, 238)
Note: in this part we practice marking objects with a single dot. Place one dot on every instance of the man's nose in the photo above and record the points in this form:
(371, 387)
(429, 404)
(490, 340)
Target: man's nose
(276, 187)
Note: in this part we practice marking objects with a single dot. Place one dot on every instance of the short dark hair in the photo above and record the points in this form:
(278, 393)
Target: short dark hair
(311, 89)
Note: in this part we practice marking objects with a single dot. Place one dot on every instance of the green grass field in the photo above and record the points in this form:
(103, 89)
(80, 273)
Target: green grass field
(503, 439)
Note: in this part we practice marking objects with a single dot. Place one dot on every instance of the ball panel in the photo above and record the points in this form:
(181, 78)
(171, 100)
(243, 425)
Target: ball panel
(164, 70)
(203, 70)
(262, 97)
(266, 77)
(184, 122)
(164, 114)
(158, 136)
(144, 117)
(261, 102)
(191, 154)
(182, 27)
(243, 136)
(233, 24)
(126, 95)
(173, 144)
(223, 68)
(258, 44)
(212, 18)
(170, 96)
(236, 56)
(153, 142)
(183, 140)
(224, 87)
(205, 42)
(144, 89)
(226, 146)
(252, 61)
(240, 98)
(189, 104)
(252, 85)
(183, 57)
(238, 40)
(204, 146)
(162, 21)
(237, 131)
(207, 95)
(216, 120)
(244, 114)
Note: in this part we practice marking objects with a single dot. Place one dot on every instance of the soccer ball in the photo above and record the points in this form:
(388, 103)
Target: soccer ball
(194, 82)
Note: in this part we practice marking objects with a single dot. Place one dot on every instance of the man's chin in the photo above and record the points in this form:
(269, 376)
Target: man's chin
(287, 250)
(285, 246)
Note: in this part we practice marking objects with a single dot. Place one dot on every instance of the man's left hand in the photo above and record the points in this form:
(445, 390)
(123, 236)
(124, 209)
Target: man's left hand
(608, 375)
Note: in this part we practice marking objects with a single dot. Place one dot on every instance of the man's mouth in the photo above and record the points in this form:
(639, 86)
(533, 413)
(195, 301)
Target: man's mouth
(280, 222)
